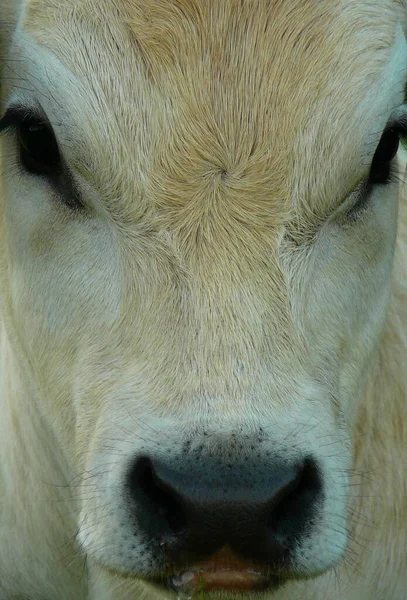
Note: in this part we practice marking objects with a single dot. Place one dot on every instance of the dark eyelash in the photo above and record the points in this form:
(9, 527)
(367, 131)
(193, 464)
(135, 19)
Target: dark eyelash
(14, 115)
(7, 120)
(62, 181)
(362, 203)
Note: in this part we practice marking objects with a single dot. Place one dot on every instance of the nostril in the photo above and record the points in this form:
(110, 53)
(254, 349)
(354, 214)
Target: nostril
(292, 511)
(157, 503)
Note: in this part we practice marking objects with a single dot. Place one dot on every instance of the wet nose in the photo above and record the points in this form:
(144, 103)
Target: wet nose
(190, 511)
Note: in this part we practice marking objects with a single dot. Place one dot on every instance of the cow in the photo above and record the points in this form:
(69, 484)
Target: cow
(203, 300)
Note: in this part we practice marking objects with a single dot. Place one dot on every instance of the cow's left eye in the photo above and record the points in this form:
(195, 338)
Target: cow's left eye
(380, 170)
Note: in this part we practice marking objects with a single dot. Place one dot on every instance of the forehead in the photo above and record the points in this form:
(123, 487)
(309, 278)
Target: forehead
(236, 88)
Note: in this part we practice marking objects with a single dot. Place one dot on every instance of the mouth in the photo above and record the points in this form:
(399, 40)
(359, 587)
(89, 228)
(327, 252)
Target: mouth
(194, 583)
(225, 574)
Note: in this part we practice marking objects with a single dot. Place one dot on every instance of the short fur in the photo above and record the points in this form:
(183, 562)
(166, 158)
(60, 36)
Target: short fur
(217, 284)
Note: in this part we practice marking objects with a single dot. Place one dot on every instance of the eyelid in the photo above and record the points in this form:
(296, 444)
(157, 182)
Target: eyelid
(63, 184)
(398, 120)
(18, 113)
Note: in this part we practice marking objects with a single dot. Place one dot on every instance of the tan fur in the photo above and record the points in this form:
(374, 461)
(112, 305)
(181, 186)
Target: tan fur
(216, 280)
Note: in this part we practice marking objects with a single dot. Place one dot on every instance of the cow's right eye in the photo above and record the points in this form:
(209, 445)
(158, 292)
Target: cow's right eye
(39, 153)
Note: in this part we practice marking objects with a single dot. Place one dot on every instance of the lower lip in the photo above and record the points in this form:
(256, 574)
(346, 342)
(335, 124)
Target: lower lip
(227, 580)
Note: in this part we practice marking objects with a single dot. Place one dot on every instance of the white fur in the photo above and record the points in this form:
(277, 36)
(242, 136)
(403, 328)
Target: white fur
(214, 283)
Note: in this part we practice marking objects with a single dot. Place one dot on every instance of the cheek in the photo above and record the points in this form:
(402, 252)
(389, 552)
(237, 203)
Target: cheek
(352, 272)
(344, 295)
(348, 292)
(63, 278)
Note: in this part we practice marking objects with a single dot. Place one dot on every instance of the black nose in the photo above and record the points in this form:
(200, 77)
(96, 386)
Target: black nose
(192, 510)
